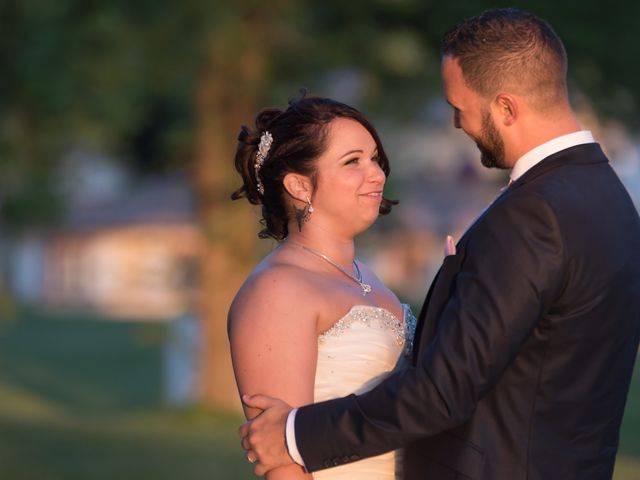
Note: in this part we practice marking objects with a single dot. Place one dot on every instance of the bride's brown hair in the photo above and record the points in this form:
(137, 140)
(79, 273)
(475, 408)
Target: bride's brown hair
(299, 138)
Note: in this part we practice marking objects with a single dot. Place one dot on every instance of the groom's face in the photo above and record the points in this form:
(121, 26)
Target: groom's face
(471, 114)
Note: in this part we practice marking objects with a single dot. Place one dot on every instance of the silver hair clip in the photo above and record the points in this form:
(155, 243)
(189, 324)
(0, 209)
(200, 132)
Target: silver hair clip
(266, 139)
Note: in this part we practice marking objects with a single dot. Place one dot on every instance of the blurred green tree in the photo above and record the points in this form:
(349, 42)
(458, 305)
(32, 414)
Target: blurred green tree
(167, 84)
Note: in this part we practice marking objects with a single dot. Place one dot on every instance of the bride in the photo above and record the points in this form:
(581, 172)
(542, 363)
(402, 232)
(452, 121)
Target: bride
(311, 322)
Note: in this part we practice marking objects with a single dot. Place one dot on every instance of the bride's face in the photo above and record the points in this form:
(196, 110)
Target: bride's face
(350, 179)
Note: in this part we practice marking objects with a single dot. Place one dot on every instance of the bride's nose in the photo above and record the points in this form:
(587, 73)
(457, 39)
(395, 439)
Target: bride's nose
(376, 174)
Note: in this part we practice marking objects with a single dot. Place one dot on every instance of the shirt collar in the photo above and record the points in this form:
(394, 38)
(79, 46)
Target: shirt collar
(539, 153)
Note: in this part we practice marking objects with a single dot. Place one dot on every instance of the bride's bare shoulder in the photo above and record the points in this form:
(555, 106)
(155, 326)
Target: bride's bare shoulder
(275, 287)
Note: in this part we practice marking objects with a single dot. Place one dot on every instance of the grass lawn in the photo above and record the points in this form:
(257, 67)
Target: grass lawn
(80, 400)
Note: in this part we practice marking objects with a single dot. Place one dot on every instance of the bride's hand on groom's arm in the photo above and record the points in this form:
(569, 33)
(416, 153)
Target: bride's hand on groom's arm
(263, 435)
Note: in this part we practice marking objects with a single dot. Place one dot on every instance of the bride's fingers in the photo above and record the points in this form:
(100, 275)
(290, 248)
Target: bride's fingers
(244, 443)
(243, 431)
(260, 470)
(251, 456)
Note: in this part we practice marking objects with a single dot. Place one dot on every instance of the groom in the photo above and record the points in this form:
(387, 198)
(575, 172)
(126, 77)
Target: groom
(529, 333)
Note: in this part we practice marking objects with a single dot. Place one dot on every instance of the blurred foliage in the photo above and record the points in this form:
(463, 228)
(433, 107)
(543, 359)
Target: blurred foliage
(121, 75)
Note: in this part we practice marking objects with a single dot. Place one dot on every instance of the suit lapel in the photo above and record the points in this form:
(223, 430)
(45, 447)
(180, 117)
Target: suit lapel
(439, 293)
(442, 286)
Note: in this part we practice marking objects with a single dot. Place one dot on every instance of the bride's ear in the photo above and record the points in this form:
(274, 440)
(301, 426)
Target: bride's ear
(298, 186)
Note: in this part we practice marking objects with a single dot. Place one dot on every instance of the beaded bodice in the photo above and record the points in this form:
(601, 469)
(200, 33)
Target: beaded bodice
(362, 346)
(354, 355)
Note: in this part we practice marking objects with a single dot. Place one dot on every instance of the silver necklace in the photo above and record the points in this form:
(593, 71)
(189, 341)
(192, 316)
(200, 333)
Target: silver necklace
(365, 287)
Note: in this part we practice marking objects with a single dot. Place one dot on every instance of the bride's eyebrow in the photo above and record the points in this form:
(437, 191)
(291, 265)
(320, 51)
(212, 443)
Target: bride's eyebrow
(350, 152)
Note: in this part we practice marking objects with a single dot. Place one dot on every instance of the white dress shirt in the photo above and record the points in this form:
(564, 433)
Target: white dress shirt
(522, 165)
(539, 153)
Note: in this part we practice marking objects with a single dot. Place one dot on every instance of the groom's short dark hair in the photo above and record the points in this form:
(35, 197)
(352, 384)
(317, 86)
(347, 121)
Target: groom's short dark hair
(508, 48)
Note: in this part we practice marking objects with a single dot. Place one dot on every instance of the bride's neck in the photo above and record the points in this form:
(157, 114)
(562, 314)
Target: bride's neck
(339, 249)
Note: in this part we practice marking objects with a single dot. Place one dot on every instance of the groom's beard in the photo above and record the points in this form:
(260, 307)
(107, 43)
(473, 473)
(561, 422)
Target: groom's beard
(490, 144)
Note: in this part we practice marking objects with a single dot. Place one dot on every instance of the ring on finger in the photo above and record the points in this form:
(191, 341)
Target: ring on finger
(250, 459)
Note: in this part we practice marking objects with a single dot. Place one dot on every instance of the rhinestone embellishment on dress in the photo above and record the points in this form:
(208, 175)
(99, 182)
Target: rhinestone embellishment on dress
(410, 325)
(378, 318)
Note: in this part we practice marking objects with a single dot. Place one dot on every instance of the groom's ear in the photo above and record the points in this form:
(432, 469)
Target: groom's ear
(298, 186)
(506, 107)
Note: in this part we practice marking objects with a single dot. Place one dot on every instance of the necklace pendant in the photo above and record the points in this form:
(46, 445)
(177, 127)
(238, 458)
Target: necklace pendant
(365, 287)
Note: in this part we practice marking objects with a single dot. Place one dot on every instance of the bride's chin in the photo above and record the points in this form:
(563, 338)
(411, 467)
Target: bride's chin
(366, 223)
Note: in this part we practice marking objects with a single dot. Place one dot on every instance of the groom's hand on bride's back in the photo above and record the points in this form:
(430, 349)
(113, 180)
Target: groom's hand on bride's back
(263, 435)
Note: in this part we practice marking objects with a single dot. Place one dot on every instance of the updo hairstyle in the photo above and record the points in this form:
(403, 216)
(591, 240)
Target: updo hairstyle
(299, 138)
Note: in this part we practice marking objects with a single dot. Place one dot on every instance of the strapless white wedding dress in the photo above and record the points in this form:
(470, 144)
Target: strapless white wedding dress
(354, 355)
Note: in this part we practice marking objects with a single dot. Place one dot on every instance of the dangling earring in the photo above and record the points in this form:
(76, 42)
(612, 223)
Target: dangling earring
(303, 214)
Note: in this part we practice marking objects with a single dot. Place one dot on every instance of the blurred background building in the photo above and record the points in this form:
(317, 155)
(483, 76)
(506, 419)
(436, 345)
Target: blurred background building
(121, 250)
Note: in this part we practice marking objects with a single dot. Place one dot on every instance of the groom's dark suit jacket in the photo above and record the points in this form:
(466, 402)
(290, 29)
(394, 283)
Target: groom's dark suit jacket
(525, 345)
